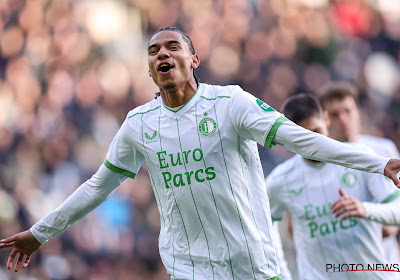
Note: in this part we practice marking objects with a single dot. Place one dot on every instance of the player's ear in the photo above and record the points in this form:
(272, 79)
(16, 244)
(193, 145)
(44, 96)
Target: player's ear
(195, 61)
(326, 119)
(149, 73)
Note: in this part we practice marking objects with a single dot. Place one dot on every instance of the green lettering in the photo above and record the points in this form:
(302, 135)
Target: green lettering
(209, 171)
(178, 159)
(324, 229)
(342, 224)
(353, 221)
(200, 154)
(161, 160)
(323, 213)
(189, 176)
(313, 226)
(307, 210)
(186, 154)
(196, 175)
(180, 182)
(334, 222)
(167, 178)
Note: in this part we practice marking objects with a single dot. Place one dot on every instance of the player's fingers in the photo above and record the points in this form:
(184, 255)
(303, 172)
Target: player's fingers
(9, 239)
(19, 262)
(340, 211)
(27, 260)
(337, 204)
(11, 258)
(8, 244)
(354, 213)
(341, 203)
(392, 170)
(342, 193)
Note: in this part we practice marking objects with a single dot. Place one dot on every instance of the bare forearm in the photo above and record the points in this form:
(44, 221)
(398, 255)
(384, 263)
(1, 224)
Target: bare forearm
(84, 200)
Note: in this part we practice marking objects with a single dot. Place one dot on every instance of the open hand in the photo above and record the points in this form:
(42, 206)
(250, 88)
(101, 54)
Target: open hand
(23, 243)
(348, 207)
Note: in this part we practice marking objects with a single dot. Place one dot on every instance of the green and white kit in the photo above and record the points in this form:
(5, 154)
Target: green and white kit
(207, 178)
(307, 190)
(208, 181)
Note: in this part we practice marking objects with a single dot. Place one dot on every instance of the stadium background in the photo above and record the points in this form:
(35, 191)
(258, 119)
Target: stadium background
(71, 70)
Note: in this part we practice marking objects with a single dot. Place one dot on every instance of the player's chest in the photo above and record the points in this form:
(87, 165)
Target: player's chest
(186, 139)
(311, 192)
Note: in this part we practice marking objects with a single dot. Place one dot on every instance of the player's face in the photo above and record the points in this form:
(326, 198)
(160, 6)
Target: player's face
(315, 124)
(344, 119)
(171, 62)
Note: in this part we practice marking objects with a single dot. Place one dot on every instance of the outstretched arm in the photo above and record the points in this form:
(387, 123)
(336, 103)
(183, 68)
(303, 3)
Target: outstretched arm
(85, 199)
(321, 148)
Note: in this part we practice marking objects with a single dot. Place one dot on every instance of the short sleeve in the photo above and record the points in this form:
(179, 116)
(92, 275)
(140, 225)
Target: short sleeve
(382, 188)
(122, 156)
(253, 118)
(274, 188)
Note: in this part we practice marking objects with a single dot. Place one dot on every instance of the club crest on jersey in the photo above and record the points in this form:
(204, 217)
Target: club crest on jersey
(151, 139)
(264, 105)
(207, 126)
(348, 179)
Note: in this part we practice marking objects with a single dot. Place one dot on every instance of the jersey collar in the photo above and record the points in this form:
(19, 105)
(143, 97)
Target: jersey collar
(185, 107)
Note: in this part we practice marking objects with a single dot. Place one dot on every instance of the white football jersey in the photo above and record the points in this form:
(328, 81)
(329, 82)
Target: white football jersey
(307, 191)
(384, 147)
(207, 178)
(381, 146)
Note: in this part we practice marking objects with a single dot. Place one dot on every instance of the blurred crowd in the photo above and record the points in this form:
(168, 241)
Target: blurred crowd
(71, 70)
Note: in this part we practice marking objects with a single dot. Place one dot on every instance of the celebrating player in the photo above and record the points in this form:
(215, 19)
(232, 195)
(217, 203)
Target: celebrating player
(200, 145)
(326, 203)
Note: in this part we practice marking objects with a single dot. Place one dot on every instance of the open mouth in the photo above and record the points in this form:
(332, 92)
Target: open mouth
(165, 68)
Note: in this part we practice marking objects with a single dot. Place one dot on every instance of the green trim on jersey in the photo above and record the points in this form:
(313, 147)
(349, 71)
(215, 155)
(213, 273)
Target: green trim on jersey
(251, 207)
(197, 90)
(144, 112)
(233, 194)
(119, 170)
(195, 205)
(268, 141)
(215, 203)
(391, 197)
(220, 96)
(278, 277)
(276, 219)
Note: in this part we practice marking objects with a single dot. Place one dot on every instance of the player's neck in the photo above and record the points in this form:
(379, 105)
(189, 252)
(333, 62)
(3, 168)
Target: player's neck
(178, 96)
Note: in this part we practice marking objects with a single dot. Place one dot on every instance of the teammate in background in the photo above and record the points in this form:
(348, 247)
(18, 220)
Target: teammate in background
(200, 145)
(340, 100)
(333, 208)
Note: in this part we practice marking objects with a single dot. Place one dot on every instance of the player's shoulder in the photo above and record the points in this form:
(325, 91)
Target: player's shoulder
(218, 91)
(149, 107)
(381, 146)
(370, 139)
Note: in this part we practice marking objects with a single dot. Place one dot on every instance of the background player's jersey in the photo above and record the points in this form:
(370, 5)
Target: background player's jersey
(208, 181)
(384, 147)
(381, 146)
(308, 191)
